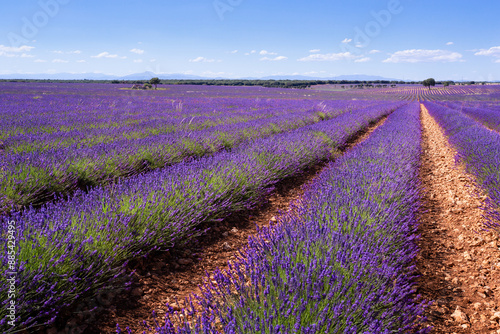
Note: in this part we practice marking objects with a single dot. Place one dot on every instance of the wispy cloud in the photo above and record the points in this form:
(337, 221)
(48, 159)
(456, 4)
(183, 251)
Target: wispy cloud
(491, 52)
(362, 60)
(374, 51)
(234, 51)
(81, 61)
(23, 48)
(347, 40)
(449, 43)
(39, 61)
(278, 58)
(423, 56)
(137, 60)
(314, 50)
(330, 57)
(137, 51)
(264, 52)
(60, 52)
(105, 55)
(201, 60)
(60, 61)
(12, 51)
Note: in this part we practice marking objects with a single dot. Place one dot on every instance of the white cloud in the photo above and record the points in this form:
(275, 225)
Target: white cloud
(493, 52)
(201, 60)
(362, 60)
(23, 48)
(68, 52)
(137, 60)
(314, 50)
(374, 51)
(10, 51)
(81, 61)
(420, 56)
(449, 43)
(264, 52)
(39, 61)
(234, 51)
(253, 51)
(25, 55)
(497, 61)
(347, 40)
(104, 55)
(60, 61)
(278, 58)
(138, 51)
(330, 57)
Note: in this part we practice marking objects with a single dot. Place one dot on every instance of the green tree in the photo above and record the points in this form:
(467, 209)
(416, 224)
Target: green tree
(154, 81)
(429, 82)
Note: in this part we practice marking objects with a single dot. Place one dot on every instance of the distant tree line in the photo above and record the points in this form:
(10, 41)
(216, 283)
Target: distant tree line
(347, 84)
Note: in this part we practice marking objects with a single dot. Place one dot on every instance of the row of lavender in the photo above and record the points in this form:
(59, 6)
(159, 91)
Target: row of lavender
(56, 109)
(486, 113)
(62, 120)
(477, 147)
(341, 262)
(34, 177)
(73, 247)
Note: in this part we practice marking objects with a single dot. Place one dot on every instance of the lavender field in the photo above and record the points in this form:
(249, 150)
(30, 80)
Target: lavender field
(94, 176)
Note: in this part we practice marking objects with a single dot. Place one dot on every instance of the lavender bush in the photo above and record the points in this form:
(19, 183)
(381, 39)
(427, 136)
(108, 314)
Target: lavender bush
(341, 263)
(78, 245)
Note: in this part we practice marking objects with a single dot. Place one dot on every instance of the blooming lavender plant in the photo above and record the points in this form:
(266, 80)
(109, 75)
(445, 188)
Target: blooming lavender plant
(57, 142)
(484, 113)
(75, 246)
(341, 262)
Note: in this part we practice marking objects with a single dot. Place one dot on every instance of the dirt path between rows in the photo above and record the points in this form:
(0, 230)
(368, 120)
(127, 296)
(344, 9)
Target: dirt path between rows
(459, 262)
(176, 275)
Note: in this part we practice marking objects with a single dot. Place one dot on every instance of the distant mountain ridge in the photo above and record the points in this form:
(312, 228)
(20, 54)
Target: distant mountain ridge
(148, 75)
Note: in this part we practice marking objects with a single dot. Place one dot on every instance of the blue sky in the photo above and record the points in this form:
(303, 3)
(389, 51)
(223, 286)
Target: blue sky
(404, 39)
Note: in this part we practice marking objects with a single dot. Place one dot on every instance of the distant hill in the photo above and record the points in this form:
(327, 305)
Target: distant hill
(149, 75)
(360, 77)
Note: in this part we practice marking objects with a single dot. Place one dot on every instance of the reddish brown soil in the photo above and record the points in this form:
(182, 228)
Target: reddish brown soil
(459, 262)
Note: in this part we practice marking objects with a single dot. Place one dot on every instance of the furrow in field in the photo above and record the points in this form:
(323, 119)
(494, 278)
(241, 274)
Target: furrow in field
(459, 262)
